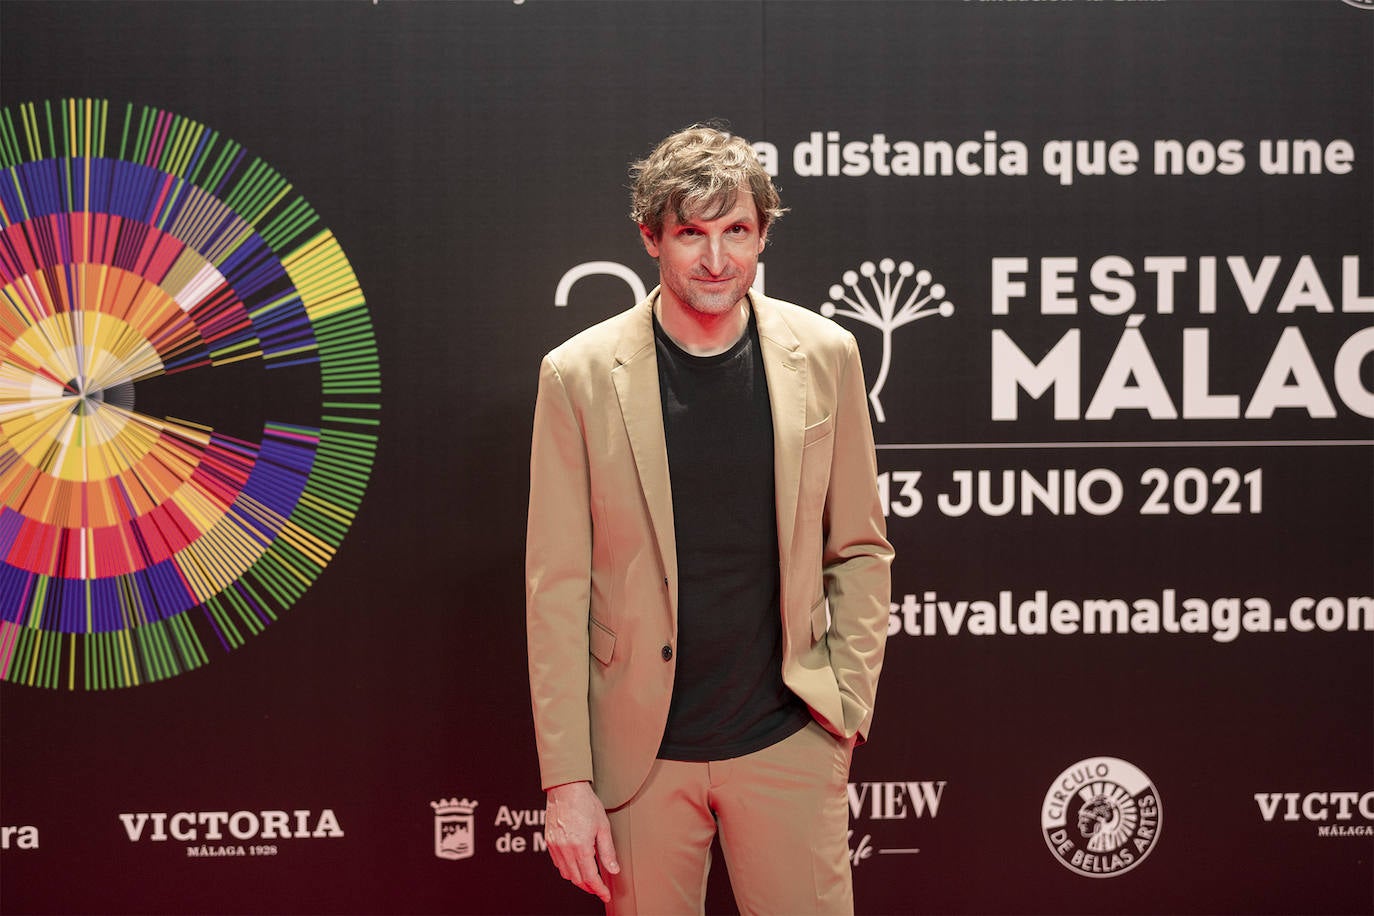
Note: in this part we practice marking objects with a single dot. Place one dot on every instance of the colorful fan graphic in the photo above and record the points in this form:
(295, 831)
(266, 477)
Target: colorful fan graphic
(137, 245)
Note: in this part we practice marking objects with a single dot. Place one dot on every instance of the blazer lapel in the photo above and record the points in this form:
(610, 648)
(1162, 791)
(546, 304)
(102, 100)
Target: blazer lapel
(635, 376)
(784, 366)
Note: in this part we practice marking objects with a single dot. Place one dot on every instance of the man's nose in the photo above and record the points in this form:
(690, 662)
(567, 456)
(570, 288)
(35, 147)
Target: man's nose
(713, 259)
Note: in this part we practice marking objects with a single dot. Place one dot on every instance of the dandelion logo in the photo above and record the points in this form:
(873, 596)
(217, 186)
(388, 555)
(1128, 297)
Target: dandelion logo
(925, 299)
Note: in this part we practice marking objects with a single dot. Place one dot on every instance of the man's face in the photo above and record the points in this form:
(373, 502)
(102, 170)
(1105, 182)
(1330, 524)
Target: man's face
(708, 265)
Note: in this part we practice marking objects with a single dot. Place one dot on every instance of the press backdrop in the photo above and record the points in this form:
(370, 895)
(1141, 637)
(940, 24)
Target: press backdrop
(1111, 270)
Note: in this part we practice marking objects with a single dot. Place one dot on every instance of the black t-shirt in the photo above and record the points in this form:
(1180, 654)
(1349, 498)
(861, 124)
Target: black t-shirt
(728, 695)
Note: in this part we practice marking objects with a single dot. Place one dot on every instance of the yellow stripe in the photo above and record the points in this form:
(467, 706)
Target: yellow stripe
(33, 656)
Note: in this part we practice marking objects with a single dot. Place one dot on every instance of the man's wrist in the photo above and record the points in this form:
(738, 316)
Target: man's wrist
(566, 788)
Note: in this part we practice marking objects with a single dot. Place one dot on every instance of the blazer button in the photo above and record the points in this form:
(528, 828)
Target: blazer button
(667, 653)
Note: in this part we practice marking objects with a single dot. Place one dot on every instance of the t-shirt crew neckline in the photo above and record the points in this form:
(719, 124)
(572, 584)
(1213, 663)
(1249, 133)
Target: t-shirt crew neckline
(714, 358)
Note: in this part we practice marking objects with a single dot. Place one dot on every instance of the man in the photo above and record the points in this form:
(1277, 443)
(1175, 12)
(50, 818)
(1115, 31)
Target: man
(707, 569)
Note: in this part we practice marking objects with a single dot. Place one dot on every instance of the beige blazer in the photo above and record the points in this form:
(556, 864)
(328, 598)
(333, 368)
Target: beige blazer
(601, 565)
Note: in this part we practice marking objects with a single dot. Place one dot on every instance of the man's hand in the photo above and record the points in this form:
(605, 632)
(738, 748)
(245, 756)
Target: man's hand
(579, 837)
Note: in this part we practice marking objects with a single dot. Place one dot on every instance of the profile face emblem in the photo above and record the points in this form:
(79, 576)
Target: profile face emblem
(1101, 817)
(189, 394)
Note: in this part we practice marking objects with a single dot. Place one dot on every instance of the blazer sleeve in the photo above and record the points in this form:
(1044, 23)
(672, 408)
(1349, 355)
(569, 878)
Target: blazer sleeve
(856, 556)
(558, 548)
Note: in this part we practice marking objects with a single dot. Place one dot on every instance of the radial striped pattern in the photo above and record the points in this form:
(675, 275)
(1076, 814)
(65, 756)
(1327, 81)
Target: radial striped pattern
(135, 243)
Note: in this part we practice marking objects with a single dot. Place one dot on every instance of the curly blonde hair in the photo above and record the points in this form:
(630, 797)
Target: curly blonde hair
(699, 171)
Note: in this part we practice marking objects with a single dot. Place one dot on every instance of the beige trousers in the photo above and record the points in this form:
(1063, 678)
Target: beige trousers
(782, 814)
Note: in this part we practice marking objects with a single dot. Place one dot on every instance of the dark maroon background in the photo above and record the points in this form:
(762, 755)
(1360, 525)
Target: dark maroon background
(467, 155)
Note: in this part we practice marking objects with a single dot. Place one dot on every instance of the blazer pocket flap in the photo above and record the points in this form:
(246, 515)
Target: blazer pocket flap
(817, 431)
(602, 642)
(820, 619)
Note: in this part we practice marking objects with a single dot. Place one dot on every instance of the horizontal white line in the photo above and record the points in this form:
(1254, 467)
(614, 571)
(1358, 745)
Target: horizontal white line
(1219, 443)
(903, 851)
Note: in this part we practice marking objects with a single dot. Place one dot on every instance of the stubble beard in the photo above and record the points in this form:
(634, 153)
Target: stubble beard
(714, 303)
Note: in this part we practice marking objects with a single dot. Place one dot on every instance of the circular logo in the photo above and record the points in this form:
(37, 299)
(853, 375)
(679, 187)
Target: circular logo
(1101, 817)
(189, 394)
